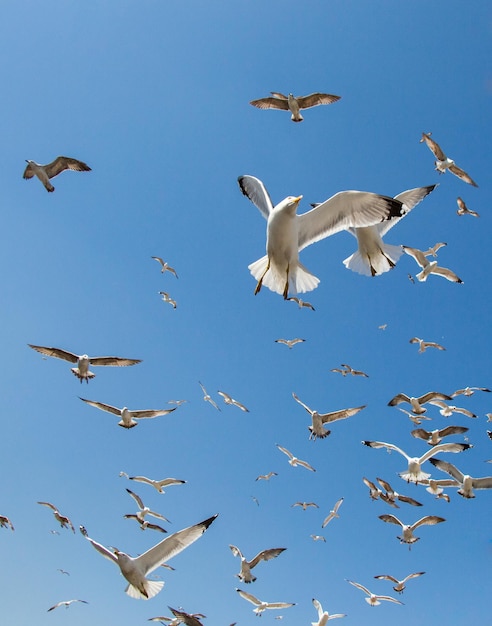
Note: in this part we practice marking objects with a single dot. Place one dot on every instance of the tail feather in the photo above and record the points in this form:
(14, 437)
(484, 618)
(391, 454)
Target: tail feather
(380, 262)
(300, 279)
(152, 587)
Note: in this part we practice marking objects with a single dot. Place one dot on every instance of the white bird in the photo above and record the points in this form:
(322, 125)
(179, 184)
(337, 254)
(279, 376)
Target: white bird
(143, 510)
(318, 419)
(293, 460)
(229, 400)
(5, 522)
(165, 267)
(373, 599)
(189, 619)
(157, 484)
(65, 603)
(417, 402)
(374, 257)
(261, 605)
(467, 482)
(305, 505)
(416, 419)
(290, 343)
(400, 584)
(128, 417)
(469, 391)
(463, 209)
(167, 298)
(83, 361)
(352, 372)
(435, 487)
(390, 495)
(294, 103)
(266, 476)
(430, 267)
(324, 616)
(50, 170)
(135, 569)
(414, 472)
(333, 513)
(423, 345)
(208, 398)
(301, 303)
(246, 566)
(434, 437)
(444, 163)
(289, 233)
(318, 538)
(407, 535)
(432, 251)
(447, 409)
(63, 519)
(374, 492)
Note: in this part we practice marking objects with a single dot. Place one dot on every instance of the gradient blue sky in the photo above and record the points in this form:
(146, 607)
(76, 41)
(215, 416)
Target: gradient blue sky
(154, 95)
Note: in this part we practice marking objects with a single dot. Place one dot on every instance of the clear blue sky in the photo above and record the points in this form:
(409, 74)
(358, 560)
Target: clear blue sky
(154, 96)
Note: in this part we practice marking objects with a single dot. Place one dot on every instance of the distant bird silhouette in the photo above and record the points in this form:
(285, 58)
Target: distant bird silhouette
(165, 267)
(444, 163)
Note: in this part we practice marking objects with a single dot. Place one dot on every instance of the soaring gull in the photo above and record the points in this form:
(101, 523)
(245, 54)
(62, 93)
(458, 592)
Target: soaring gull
(246, 566)
(444, 163)
(59, 165)
(318, 419)
(467, 483)
(128, 417)
(294, 103)
(407, 534)
(372, 598)
(324, 616)
(261, 605)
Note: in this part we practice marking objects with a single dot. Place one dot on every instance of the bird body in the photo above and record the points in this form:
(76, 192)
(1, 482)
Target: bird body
(45, 172)
(208, 398)
(443, 162)
(165, 267)
(294, 461)
(319, 419)
(5, 522)
(292, 103)
(246, 566)
(372, 598)
(128, 417)
(229, 400)
(417, 402)
(400, 584)
(407, 529)
(467, 483)
(261, 605)
(333, 513)
(423, 345)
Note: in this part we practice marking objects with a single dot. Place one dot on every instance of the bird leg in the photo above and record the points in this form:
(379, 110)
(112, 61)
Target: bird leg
(260, 281)
(286, 288)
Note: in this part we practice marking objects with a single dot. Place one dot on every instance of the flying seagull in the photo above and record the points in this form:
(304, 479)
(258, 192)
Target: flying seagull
(135, 569)
(414, 472)
(407, 535)
(266, 476)
(417, 402)
(374, 257)
(423, 345)
(434, 437)
(294, 103)
(352, 372)
(467, 482)
(400, 584)
(430, 267)
(469, 391)
(5, 522)
(390, 495)
(128, 417)
(435, 487)
(143, 510)
(463, 209)
(305, 505)
(447, 409)
(83, 361)
(318, 419)
(444, 163)
(208, 398)
(228, 400)
(165, 267)
(59, 165)
(374, 492)
(65, 603)
(333, 513)
(294, 461)
(290, 343)
(261, 605)
(158, 484)
(246, 566)
(301, 303)
(189, 619)
(63, 519)
(416, 419)
(373, 599)
(318, 538)
(324, 616)
(432, 251)
(289, 233)
(167, 298)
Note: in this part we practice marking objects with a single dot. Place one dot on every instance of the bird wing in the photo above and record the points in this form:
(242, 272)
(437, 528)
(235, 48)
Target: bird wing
(271, 103)
(410, 576)
(389, 446)
(387, 577)
(359, 586)
(265, 555)
(51, 506)
(306, 465)
(62, 163)
(466, 412)
(410, 199)
(277, 94)
(391, 519)
(433, 395)
(285, 451)
(428, 520)
(318, 607)
(113, 361)
(236, 551)
(408, 500)
(340, 415)
(417, 255)
(447, 273)
(343, 210)
(482, 483)
(389, 599)
(256, 191)
(159, 260)
(151, 413)
(302, 404)
(400, 397)
(104, 407)
(457, 171)
(433, 146)
(141, 479)
(137, 499)
(240, 406)
(420, 433)
(444, 447)
(56, 352)
(385, 485)
(314, 99)
(248, 596)
(102, 550)
(449, 468)
(452, 430)
(172, 545)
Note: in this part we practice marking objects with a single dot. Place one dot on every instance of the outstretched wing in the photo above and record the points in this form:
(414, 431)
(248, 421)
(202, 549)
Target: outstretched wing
(56, 352)
(271, 103)
(256, 191)
(410, 199)
(315, 99)
(63, 163)
(114, 361)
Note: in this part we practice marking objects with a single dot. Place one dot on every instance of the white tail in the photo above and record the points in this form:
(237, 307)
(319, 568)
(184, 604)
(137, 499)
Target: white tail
(300, 279)
(381, 261)
(152, 587)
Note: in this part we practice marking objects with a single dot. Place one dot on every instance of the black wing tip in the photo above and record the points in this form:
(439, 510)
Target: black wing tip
(366, 443)
(395, 208)
(206, 523)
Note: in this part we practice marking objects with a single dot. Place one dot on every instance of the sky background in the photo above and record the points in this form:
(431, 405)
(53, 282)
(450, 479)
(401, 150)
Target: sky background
(154, 95)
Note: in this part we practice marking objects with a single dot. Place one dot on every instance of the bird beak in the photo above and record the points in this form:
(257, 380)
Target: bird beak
(298, 199)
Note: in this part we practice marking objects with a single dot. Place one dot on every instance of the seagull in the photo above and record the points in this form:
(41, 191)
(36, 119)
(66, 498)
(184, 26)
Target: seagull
(318, 419)
(128, 417)
(444, 163)
(135, 569)
(305, 505)
(467, 482)
(167, 298)
(301, 303)
(290, 343)
(374, 492)
(374, 257)
(416, 419)
(208, 398)
(423, 345)
(65, 603)
(318, 538)
(391, 495)
(189, 619)
(158, 484)
(289, 233)
(83, 361)
(246, 566)
(383, 327)
(260, 605)
(164, 266)
(5, 522)
(144, 524)
(469, 391)
(400, 584)
(323, 616)
(350, 370)
(414, 472)
(63, 519)
(62, 571)
(416, 403)
(430, 267)
(50, 170)
(293, 460)
(266, 476)
(464, 210)
(294, 103)
(408, 536)
(434, 437)
(435, 487)
(143, 510)
(333, 513)
(434, 249)
(446, 409)
(177, 402)
(372, 598)
(228, 400)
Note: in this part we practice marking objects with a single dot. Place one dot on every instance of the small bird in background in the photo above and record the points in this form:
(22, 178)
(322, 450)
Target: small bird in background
(302, 304)
(400, 584)
(463, 209)
(5, 522)
(208, 398)
(143, 510)
(447, 409)
(128, 417)
(165, 267)
(469, 391)
(444, 163)
(294, 104)
(266, 476)
(407, 535)
(319, 419)
(290, 343)
(352, 372)
(294, 461)
(261, 605)
(305, 505)
(167, 298)
(157, 484)
(434, 437)
(417, 402)
(62, 571)
(430, 267)
(435, 487)
(63, 519)
(390, 495)
(416, 419)
(318, 538)
(50, 170)
(423, 345)
(229, 400)
(333, 513)
(374, 492)
(189, 619)
(324, 616)
(432, 251)
(246, 566)
(372, 598)
(65, 603)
